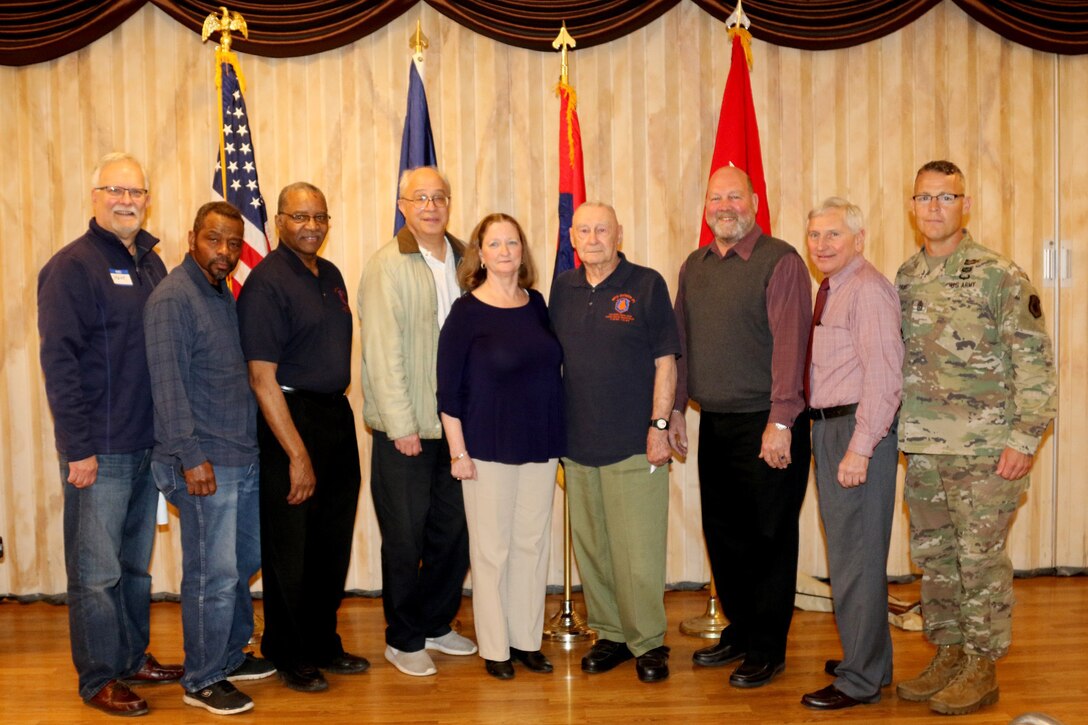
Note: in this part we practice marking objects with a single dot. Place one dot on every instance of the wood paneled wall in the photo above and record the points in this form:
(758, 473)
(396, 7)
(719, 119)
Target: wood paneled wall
(854, 122)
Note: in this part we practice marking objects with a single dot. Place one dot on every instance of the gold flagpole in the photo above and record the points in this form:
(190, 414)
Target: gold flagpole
(712, 622)
(224, 25)
(566, 626)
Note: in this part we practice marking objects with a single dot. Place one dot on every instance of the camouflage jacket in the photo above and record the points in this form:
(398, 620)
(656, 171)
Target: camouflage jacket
(978, 374)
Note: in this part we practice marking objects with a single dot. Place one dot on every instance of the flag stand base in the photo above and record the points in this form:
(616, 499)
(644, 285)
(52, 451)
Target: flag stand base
(709, 625)
(567, 626)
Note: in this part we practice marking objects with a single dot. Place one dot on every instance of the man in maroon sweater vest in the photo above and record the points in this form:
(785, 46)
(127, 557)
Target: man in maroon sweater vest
(744, 306)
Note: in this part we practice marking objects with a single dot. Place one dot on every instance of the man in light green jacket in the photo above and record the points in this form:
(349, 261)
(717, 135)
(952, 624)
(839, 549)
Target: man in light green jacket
(405, 294)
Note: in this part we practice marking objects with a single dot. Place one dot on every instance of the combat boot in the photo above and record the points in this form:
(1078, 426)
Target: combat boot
(935, 677)
(973, 687)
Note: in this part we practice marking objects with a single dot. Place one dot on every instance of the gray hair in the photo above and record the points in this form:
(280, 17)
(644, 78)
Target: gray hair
(402, 185)
(851, 214)
(113, 158)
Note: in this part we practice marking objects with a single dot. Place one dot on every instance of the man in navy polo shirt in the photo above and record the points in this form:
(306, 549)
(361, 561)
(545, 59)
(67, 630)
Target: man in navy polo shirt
(620, 343)
(296, 336)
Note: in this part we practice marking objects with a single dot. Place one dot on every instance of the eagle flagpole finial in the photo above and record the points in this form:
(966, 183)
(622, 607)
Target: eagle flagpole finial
(225, 24)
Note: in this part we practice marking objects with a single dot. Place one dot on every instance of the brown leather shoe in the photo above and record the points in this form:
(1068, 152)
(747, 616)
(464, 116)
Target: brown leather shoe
(116, 699)
(153, 673)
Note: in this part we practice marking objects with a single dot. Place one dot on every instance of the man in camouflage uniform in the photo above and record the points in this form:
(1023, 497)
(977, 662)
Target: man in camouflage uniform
(978, 393)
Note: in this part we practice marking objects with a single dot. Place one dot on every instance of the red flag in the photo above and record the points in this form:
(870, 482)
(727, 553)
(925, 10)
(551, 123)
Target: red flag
(737, 143)
(572, 180)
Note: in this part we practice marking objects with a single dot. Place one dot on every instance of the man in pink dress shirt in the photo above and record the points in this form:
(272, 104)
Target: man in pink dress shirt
(854, 376)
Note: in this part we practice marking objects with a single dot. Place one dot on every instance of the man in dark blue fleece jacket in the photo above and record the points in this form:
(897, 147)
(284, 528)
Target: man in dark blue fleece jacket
(91, 297)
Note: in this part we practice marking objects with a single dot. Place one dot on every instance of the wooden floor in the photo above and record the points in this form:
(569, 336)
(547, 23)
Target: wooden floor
(1046, 671)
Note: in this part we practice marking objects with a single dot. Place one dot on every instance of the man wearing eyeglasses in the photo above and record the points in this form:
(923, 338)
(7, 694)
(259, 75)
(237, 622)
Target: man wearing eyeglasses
(404, 297)
(978, 394)
(91, 298)
(296, 332)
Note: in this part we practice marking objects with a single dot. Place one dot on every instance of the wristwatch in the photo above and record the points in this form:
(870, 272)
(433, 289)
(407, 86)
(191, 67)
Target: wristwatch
(660, 423)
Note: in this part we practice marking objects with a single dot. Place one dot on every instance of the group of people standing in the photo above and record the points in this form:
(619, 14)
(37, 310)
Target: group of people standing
(475, 389)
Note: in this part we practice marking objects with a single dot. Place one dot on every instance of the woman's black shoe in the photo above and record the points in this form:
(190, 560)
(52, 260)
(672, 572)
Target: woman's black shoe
(502, 669)
(534, 661)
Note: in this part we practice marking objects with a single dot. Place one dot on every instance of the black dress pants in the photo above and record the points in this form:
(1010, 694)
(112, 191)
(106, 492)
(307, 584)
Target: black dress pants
(421, 514)
(750, 514)
(306, 548)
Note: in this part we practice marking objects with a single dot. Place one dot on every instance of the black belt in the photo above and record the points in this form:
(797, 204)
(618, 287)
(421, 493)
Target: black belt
(836, 411)
(325, 398)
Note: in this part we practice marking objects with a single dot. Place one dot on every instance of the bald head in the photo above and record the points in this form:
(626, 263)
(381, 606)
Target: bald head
(731, 205)
(596, 235)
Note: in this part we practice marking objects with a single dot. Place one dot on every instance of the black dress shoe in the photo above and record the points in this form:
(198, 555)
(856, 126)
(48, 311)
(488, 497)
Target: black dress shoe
(653, 666)
(829, 698)
(755, 674)
(502, 669)
(717, 655)
(605, 655)
(534, 661)
(346, 664)
(302, 677)
(831, 665)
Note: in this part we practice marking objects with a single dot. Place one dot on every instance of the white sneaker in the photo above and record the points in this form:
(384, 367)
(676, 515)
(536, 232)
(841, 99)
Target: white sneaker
(416, 664)
(451, 643)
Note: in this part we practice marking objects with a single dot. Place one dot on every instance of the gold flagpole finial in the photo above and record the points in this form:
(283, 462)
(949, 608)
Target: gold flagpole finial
(418, 42)
(224, 25)
(562, 42)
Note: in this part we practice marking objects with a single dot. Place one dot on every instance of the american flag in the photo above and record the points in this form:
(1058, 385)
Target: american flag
(236, 166)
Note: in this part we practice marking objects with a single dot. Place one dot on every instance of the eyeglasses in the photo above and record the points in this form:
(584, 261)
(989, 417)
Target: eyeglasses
(300, 218)
(944, 199)
(118, 192)
(419, 201)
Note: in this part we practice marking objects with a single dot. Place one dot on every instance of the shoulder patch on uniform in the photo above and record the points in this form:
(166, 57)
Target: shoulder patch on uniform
(1035, 307)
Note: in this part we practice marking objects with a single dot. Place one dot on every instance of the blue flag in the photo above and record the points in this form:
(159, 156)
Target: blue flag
(417, 142)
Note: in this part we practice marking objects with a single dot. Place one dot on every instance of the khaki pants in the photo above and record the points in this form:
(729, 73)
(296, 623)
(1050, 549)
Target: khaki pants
(509, 513)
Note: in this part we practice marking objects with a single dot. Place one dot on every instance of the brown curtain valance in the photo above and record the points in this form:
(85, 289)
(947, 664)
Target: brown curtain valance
(33, 32)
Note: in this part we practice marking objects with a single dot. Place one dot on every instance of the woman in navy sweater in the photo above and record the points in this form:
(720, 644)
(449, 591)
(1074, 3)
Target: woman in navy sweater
(500, 395)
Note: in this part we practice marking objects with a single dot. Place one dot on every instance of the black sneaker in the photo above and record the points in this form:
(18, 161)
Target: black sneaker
(220, 698)
(252, 668)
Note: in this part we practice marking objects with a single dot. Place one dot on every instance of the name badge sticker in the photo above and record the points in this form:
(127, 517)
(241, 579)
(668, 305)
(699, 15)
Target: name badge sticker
(121, 277)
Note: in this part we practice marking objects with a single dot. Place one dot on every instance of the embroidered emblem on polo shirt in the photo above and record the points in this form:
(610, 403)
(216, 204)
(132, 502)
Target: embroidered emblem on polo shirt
(621, 306)
(343, 299)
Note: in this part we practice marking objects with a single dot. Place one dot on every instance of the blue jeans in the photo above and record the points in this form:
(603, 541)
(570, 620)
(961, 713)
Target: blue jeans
(109, 529)
(221, 551)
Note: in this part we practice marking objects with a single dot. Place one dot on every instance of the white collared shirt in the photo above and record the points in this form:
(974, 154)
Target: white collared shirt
(445, 280)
